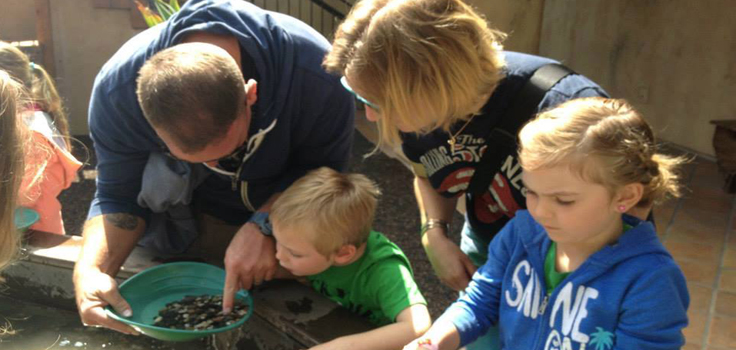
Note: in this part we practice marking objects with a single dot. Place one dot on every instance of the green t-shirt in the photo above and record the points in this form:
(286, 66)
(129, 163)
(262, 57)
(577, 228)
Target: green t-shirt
(378, 286)
(551, 277)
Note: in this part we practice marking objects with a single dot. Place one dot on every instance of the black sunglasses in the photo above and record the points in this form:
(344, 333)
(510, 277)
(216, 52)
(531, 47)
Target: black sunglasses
(230, 162)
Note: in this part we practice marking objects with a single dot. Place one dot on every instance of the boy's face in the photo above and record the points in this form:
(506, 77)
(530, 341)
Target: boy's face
(296, 254)
(572, 210)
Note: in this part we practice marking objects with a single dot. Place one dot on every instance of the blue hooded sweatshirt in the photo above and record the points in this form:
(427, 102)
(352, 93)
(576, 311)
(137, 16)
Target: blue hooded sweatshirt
(629, 295)
(303, 118)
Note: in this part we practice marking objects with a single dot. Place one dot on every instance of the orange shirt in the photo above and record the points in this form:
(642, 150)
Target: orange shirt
(50, 169)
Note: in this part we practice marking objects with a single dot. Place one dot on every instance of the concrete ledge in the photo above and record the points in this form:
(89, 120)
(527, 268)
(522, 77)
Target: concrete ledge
(287, 314)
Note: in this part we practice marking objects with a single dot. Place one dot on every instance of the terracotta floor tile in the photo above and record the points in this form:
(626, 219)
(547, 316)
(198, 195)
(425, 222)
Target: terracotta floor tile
(691, 213)
(696, 271)
(702, 231)
(666, 209)
(726, 303)
(723, 332)
(708, 199)
(663, 215)
(687, 249)
(707, 175)
(700, 297)
(695, 330)
(730, 258)
(728, 280)
(687, 170)
(721, 207)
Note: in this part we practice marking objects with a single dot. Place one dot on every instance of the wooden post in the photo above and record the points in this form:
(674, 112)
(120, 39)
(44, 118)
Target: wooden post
(43, 33)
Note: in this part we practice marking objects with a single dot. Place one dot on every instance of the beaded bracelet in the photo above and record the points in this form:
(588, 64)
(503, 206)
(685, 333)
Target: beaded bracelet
(426, 343)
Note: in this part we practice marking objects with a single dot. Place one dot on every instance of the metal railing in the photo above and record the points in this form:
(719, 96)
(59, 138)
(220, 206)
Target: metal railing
(322, 15)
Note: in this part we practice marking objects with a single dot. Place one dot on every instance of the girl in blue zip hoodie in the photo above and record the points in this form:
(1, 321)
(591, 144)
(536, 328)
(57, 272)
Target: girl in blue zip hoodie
(573, 272)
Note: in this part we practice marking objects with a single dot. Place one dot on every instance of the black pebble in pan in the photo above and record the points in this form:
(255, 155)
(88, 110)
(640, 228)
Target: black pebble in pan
(197, 313)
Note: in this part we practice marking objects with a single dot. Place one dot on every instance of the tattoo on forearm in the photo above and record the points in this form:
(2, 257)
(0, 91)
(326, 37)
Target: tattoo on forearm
(122, 220)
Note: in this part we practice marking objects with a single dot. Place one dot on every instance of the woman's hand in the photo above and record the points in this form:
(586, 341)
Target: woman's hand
(451, 265)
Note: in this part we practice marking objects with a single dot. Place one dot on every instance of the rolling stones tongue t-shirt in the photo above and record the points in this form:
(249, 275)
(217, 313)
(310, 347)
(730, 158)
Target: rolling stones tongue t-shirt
(450, 168)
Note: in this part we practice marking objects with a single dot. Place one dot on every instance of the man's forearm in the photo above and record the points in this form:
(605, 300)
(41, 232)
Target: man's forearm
(108, 240)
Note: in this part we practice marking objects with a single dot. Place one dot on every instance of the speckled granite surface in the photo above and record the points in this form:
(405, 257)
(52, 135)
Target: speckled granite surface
(397, 215)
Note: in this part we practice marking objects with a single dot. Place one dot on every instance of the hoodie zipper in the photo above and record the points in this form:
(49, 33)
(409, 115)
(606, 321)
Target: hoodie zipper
(543, 307)
(543, 320)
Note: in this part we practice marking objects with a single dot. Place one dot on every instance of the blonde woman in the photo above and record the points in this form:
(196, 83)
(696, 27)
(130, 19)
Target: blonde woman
(575, 271)
(433, 75)
(50, 166)
(11, 166)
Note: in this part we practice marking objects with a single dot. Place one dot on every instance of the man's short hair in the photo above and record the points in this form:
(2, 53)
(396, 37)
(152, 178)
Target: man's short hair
(192, 91)
(331, 208)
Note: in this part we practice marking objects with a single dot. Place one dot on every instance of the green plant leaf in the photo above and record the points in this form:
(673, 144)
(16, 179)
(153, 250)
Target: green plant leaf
(149, 16)
(163, 9)
(174, 5)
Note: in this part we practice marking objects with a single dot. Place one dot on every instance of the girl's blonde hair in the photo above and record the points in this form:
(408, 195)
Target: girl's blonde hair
(11, 165)
(425, 63)
(39, 84)
(332, 209)
(606, 141)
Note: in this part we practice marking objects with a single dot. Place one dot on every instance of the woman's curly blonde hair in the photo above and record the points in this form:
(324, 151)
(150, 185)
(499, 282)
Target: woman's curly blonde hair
(425, 63)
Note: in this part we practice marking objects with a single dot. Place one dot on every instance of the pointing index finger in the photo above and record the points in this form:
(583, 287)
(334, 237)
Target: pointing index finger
(228, 293)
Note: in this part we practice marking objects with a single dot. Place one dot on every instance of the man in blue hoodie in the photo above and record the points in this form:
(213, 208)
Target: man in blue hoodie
(223, 106)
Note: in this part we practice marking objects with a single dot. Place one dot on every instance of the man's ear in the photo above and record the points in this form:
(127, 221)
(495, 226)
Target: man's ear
(251, 92)
(628, 196)
(345, 254)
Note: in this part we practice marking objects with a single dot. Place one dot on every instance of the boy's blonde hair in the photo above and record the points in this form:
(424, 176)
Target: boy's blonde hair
(333, 209)
(11, 165)
(606, 141)
(193, 91)
(39, 84)
(425, 63)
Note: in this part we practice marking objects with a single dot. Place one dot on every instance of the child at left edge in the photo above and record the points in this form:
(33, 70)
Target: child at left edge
(322, 226)
(50, 166)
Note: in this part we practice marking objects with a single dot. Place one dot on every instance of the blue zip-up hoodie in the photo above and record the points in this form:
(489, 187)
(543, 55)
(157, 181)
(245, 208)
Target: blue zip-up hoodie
(629, 295)
(303, 118)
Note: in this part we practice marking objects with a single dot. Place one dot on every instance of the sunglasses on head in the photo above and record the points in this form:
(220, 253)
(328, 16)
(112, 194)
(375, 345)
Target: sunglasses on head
(345, 84)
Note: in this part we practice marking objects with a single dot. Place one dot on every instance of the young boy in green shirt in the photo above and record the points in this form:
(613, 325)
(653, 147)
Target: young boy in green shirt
(322, 225)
